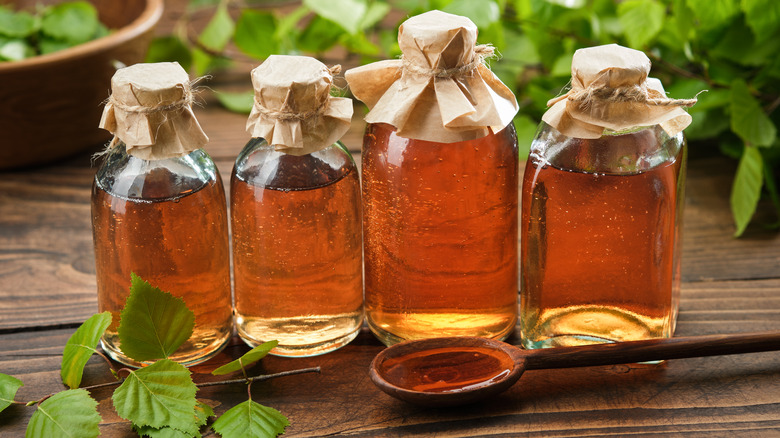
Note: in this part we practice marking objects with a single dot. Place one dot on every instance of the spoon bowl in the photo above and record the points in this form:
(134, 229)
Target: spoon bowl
(459, 370)
(447, 371)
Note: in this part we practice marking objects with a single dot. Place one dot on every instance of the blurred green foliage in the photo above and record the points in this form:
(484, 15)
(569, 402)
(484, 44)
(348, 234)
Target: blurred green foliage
(50, 29)
(728, 47)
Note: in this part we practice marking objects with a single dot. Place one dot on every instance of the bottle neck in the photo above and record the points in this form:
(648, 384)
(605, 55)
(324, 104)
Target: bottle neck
(131, 177)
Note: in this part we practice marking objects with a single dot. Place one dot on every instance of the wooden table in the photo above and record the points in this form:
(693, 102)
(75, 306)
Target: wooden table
(47, 288)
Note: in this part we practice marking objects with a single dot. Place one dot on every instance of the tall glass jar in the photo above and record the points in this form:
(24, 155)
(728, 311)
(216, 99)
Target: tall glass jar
(295, 211)
(440, 187)
(440, 230)
(159, 210)
(602, 198)
(297, 248)
(600, 239)
(166, 221)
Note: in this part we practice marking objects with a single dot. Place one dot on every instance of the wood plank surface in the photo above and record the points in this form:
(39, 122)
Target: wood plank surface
(47, 287)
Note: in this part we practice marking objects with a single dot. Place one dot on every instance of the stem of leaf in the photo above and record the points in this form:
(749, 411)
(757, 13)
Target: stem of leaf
(262, 377)
(773, 106)
(108, 362)
(103, 385)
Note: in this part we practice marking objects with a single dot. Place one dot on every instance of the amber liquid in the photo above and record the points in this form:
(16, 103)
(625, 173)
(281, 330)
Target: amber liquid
(297, 257)
(440, 231)
(178, 244)
(600, 254)
(449, 369)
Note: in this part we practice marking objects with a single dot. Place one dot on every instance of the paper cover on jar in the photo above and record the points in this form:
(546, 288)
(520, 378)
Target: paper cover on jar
(440, 90)
(150, 111)
(610, 89)
(293, 109)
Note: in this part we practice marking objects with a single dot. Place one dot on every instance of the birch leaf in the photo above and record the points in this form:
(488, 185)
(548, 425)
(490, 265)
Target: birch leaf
(72, 414)
(247, 359)
(154, 323)
(8, 387)
(81, 346)
(250, 419)
(160, 395)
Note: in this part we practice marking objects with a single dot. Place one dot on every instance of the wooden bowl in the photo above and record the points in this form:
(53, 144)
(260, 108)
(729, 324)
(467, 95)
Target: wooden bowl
(50, 105)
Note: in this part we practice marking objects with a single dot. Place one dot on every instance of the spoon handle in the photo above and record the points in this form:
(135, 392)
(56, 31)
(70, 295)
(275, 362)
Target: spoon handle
(651, 350)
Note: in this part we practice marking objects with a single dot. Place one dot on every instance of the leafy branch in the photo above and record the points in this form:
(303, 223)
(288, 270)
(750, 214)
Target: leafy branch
(159, 399)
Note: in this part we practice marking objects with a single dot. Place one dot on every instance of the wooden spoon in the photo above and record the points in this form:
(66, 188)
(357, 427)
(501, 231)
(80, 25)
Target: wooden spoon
(459, 370)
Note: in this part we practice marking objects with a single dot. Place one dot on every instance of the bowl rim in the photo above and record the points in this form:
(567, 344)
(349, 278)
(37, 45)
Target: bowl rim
(142, 24)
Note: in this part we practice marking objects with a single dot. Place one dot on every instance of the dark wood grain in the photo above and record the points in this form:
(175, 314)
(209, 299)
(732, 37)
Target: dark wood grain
(718, 394)
(47, 287)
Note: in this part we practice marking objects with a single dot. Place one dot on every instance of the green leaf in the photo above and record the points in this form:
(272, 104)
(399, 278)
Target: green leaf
(51, 45)
(75, 22)
(771, 187)
(287, 25)
(763, 17)
(163, 432)
(15, 49)
(81, 346)
(641, 20)
(562, 65)
(16, 24)
(519, 48)
(738, 45)
(247, 359)
(746, 190)
(101, 31)
(319, 36)
(202, 414)
(713, 13)
(482, 12)
(709, 124)
(250, 419)
(374, 14)
(255, 33)
(237, 102)
(154, 323)
(220, 29)
(358, 43)
(731, 147)
(526, 131)
(346, 13)
(8, 387)
(169, 49)
(72, 413)
(680, 22)
(160, 395)
(748, 119)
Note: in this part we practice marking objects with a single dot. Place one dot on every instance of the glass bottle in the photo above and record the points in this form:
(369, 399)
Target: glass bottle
(297, 248)
(295, 215)
(161, 213)
(440, 187)
(600, 239)
(440, 230)
(602, 201)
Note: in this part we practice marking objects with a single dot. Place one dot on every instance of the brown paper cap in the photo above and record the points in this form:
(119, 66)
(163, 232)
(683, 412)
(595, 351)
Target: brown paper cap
(610, 90)
(150, 111)
(293, 109)
(441, 90)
